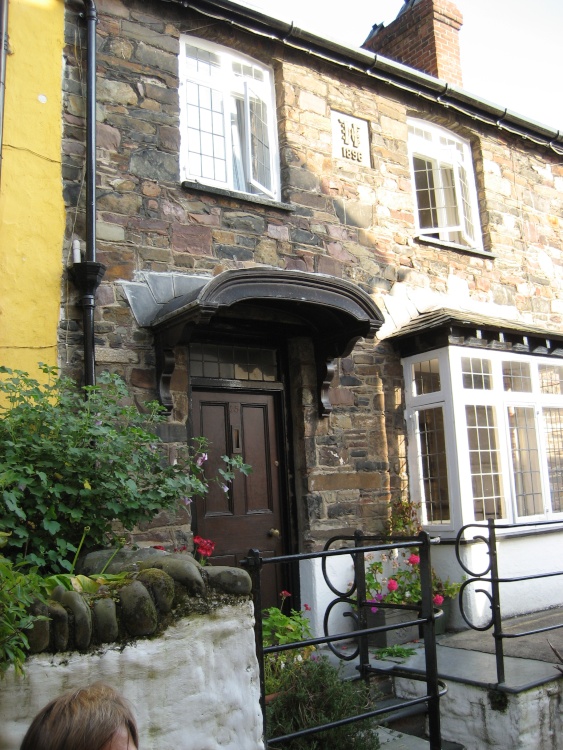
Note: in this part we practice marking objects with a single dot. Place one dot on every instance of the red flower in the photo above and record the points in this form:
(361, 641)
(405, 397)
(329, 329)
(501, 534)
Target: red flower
(438, 599)
(413, 559)
(392, 584)
(307, 608)
(284, 594)
(159, 546)
(204, 547)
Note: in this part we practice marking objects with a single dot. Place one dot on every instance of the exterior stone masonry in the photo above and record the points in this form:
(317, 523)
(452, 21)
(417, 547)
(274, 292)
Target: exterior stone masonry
(338, 217)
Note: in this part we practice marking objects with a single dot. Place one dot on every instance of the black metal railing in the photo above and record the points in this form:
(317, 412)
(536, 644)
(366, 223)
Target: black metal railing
(354, 598)
(490, 576)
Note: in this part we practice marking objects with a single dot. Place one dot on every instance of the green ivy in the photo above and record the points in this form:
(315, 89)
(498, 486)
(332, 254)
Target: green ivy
(71, 463)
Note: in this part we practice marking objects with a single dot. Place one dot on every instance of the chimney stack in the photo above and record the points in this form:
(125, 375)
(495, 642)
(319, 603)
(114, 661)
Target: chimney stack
(425, 36)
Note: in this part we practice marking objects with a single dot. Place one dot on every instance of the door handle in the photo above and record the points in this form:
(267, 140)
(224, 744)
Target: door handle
(275, 533)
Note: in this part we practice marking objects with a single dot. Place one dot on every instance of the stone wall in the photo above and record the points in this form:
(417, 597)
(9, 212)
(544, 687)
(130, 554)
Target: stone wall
(176, 639)
(195, 687)
(350, 220)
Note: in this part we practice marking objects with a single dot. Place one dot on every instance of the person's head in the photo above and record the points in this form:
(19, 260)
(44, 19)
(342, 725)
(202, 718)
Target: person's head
(92, 718)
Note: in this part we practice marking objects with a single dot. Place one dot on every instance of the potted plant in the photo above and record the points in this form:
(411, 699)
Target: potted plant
(396, 580)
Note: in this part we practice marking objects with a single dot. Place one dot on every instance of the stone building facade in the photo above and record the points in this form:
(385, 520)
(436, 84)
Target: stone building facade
(348, 218)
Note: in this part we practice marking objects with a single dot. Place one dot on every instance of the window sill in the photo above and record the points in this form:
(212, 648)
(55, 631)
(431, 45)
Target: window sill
(236, 195)
(507, 533)
(432, 241)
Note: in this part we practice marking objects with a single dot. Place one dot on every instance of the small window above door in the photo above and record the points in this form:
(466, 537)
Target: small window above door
(233, 362)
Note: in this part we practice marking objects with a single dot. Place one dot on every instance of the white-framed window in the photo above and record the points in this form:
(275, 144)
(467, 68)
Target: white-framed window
(485, 436)
(227, 119)
(444, 185)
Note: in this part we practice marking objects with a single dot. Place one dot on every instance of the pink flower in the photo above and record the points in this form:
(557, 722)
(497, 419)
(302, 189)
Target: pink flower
(438, 600)
(201, 459)
(373, 609)
(392, 584)
(284, 594)
(413, 559)
(307, 608)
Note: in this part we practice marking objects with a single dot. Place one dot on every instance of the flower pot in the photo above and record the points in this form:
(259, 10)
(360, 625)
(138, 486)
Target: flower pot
(441, 624)
(391, 617)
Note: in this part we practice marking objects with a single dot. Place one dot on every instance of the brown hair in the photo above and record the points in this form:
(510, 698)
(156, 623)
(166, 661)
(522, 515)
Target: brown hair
(84, 719)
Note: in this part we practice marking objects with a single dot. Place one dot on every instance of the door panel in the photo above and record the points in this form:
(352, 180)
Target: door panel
(245, 423)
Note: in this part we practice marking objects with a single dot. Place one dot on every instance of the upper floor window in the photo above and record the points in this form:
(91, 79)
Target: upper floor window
(228, 137)
(486, 439)
(444, 185)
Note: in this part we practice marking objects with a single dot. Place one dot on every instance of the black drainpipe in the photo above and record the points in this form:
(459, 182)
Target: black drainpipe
(88, 274)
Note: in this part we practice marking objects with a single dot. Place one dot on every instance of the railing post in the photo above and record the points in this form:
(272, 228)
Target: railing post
(427, 612)
(360, 576)
(495, 593)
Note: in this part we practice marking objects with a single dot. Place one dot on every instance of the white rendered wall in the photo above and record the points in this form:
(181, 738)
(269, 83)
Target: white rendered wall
(318, 596)
(194, 688)
(517, 556)
(531, 721)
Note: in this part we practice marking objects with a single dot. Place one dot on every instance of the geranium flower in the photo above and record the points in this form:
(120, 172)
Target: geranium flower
(284, 594)
(392, 584)
(438, 600)
(307, 608)
(413, 559)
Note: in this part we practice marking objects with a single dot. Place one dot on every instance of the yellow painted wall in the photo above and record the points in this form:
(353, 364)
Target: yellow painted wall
(31, 203)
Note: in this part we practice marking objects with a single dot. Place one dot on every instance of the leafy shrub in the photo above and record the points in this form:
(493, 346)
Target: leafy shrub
(313, 695)
(18, 590)
(277, 630)
(71, 464)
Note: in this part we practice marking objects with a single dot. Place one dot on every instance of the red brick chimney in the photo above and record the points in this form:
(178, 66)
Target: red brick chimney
(425, 36)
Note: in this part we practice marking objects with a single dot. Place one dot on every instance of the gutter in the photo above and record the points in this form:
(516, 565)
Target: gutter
(87, 275)
(379, 68)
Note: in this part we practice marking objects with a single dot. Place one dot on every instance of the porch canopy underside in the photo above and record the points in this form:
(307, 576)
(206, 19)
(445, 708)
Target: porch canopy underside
(334, 313)
(435, 329)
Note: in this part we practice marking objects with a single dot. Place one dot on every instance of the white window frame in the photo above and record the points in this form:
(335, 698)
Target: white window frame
(230, 146)
(453, 398)
(445, 152)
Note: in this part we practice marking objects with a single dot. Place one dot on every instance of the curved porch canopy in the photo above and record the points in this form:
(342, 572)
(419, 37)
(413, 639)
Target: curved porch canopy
(333, 312)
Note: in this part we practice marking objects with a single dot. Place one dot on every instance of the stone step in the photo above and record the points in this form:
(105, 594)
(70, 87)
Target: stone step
(390, 739)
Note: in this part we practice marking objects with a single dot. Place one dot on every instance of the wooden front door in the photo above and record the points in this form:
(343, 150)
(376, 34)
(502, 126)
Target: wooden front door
(248, 514)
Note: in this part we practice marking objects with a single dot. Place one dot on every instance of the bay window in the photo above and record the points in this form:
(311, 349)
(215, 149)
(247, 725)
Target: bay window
(485, 436)
(227, 123)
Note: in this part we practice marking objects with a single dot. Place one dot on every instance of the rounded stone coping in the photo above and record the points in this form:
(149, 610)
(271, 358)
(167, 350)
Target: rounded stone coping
(162, 587)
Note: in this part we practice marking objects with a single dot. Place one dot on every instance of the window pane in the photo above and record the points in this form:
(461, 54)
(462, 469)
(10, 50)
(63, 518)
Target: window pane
(434, 468)
(484, 462)
(466, 201)
(516, 377)
(259, 142)
(551, 379)
(425, 193)
(426, 377)
(476, 373)
(525, 460)
(233, 362)
(206, 140)
(553, 427)
(447, 199)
